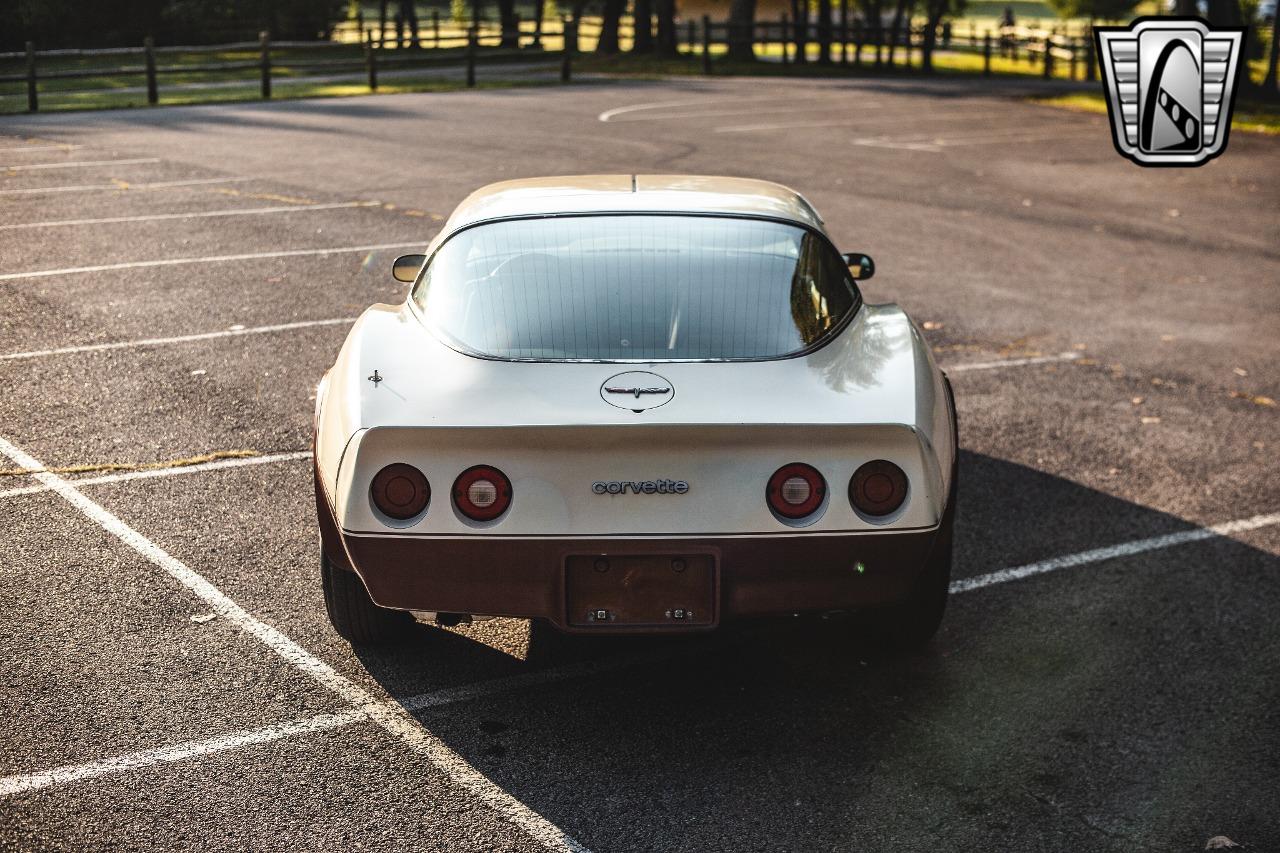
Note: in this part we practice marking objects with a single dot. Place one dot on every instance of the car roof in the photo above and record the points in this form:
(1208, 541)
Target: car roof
(632, 194)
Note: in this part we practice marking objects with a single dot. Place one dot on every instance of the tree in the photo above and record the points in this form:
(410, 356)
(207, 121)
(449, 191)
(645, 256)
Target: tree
(901, 8)
(407, 16)
(112, 23)
(1227, 13)
(667, 27)
(800, 27)
(1106, 10)
(1269, 82)
(742, 23)
(824, 32)
(509, 23)
(609, 21)
(873, 15)
(539, 12)
(935, 11)
(642, 41)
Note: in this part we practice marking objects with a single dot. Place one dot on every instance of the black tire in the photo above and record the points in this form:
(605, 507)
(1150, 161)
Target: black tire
(354, 615)
(909, 625)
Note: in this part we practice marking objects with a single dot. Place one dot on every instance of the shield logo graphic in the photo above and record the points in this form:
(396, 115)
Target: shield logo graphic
(1171, 85)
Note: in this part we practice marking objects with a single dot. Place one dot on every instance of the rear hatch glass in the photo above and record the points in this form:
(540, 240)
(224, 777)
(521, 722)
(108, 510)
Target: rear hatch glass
(635, 288)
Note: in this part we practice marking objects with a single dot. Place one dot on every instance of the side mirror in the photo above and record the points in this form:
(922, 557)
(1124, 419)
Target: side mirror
(861, 267)
(406, 267)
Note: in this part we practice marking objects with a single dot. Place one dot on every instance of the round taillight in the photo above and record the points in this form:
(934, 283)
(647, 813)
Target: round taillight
(878, 488)
(400, 491)
(796, 490)
(482, 493)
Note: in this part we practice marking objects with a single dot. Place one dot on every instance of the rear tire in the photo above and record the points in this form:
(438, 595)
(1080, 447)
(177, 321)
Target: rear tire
(354, 615)
(909, 625)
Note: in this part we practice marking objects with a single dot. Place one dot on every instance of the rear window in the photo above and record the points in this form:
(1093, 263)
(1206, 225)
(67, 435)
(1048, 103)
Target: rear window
(643, 287)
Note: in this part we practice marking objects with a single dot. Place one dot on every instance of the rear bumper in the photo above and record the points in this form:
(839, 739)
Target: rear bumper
(523, 577)
(758, 575)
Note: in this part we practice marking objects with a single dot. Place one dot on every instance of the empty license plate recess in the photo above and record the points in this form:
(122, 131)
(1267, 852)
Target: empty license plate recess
(641, 590)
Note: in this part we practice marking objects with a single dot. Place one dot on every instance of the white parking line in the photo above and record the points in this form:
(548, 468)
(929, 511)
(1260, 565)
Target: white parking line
(122, 185)
(937, 143)
(11, 785)
(20, 783)
(70, 164)
(167, 262)
(177, 339)
(609, 115)
(877, 118)
(156, 217)
(71, 773)
(1007, 362)
(390, 716)
(22, 149)
(1111, 552)
(171, 471)
(760, 107)
(743, 111)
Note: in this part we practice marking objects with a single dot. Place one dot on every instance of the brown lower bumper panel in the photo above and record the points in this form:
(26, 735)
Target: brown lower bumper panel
(560, 580)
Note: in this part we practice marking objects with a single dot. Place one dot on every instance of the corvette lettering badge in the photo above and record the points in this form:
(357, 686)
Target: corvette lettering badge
(640, 487)
(1170, 88)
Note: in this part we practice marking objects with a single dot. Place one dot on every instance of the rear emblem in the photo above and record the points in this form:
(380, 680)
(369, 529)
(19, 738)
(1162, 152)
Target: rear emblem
(637, 391)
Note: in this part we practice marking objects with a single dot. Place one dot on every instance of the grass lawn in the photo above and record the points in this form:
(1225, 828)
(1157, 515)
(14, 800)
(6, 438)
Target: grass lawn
(956, 62)
(281, 89)
(1250, 116)
(294, 74)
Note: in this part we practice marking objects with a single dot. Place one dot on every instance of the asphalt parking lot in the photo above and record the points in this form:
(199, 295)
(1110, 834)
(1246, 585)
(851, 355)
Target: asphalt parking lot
(174, 283)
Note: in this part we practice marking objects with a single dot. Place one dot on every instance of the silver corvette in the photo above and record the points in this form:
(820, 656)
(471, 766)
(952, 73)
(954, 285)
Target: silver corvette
(634, 404)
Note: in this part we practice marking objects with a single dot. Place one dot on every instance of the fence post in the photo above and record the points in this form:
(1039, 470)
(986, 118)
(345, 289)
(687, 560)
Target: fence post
(371, 61)
(264, 38)
(857, 43)
(1090, 66)
(566, 61)
(1073, 59)
(33, 102)
(706, 44)
(149, 60)
(986, 54)
(786, 39)
(1048, 56)
(473, 39)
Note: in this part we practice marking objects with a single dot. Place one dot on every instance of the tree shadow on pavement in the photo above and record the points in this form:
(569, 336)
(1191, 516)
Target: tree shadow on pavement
(1130, 704)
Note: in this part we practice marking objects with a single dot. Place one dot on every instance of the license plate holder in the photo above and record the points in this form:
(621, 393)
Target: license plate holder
(647, 591)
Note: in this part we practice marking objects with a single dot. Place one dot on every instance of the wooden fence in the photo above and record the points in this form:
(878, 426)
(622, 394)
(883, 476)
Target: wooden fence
(439, 44)
(1053, 52)
(265, 62)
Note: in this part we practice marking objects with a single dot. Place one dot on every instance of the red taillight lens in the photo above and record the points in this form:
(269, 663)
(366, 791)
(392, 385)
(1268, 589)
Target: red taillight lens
(482, 493)
(796, 490)
(400, 491)
(878, 488)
